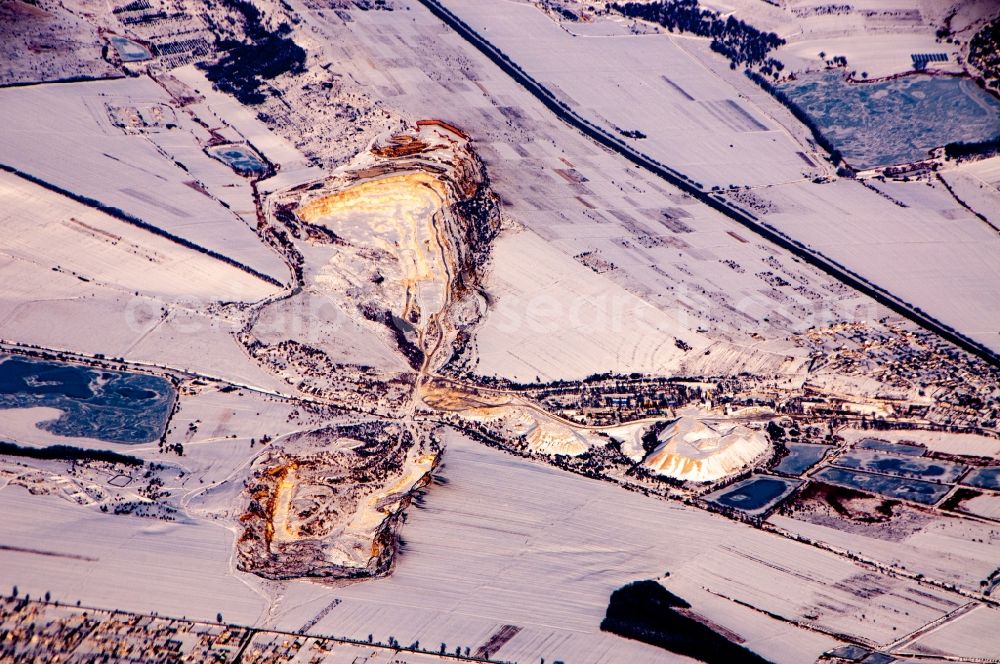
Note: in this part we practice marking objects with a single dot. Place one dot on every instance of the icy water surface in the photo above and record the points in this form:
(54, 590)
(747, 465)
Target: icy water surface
(112, 406)
(896, 121)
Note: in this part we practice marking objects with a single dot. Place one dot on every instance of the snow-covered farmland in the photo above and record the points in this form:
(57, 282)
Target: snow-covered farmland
(175, 568)
(931, 253)
(972, 636)
(69, 136)
(599, 325)
(692, 121)
(949, 549)
(54, 232)
(918, 254)
(506, 541)
(130, 293)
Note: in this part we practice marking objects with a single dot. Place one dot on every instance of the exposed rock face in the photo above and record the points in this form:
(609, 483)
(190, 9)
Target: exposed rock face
(415, 227)
(326, 503)
(704, 451)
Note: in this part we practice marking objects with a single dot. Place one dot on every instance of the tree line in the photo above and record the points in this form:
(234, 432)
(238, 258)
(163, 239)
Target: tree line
(67, 453)
(741, 43)
(264, 55)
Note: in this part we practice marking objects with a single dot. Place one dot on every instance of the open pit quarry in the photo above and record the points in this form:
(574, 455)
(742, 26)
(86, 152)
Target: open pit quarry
(325, 503)
(399, 242)
(393, 245)
(414, 220)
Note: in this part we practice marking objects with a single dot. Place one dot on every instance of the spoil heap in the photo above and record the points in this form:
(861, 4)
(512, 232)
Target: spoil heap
(704, 451)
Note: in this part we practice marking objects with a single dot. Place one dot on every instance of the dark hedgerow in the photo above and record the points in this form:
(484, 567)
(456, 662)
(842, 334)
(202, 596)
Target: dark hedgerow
(68, 453)
(960, 149)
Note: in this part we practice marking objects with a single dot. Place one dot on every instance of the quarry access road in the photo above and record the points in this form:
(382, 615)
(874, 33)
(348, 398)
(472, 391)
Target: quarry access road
(713, 199)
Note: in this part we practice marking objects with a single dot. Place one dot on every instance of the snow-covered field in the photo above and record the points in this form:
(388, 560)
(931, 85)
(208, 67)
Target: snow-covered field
(147, 565)
(48, 230)
(977, 184)
(127, 291)
(65, 135)
(953, 550)
(971, 636)
(935, 255)
(599, 325)
(505, 541)
(931, 253)
(693, 121)
(510, 542)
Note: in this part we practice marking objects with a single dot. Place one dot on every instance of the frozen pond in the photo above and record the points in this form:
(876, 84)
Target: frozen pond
(240, 158)
(918, 491)
(112, 406)
(984, 478)
(801, 457)
(896, 121)
(901, 466)
(895, 448)
(130, 51)
(755, 494)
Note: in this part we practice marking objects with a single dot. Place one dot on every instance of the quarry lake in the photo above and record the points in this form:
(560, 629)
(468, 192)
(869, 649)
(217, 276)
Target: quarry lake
(240, 158)
(895, 121)
(901, 466)
(755, 494)
(112, 406)
(985, 478)
(918, 491)
(130, 51)
(894, 448)
(801, 457)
